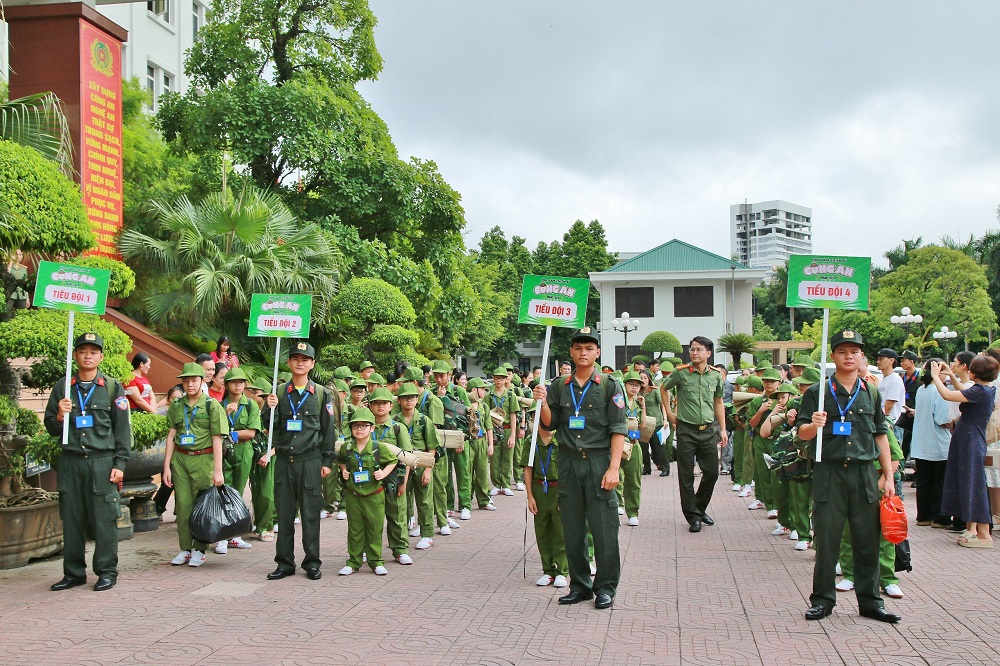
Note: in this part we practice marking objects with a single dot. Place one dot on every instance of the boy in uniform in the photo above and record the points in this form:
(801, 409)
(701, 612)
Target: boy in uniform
(243, 415)
(504, 435)
(635, 408)
(431, 406)
(363, 466)
(423, 437)
(753, 385)
(92, 464)
(193, 461)
(387, 431)
(480, 445)
(458, 459)
(262, 471)
(305, 430)
(333, 488)
(542, 481)
(769, 433)
(757, 410)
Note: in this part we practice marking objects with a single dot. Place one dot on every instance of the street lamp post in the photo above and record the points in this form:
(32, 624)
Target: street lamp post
(626, 326)
(906, 318)
(942, 335)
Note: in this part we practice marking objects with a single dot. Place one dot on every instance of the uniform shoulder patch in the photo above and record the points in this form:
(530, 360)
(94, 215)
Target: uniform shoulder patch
(329, 408)
(619, 400)
(121, 403)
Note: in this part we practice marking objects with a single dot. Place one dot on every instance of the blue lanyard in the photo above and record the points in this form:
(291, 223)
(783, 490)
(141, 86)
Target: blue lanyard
(357, 455)
(187, 421)
(544, 469)
(375, 437)
(84, 401)
(843, 411)
(578, 404)
(233, 417)
(634, 413)
(496, 399)
(296, 408)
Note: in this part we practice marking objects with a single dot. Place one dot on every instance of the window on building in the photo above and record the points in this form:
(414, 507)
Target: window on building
(160, 9)
(151, 86)
(693, 302)
(158, 81)
(197, 18)
(636, 301)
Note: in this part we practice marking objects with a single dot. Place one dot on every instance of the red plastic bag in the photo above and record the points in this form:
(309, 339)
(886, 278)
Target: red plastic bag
(894, 527)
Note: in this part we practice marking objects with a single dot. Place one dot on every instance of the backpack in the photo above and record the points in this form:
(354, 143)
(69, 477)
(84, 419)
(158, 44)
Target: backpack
(456, 414)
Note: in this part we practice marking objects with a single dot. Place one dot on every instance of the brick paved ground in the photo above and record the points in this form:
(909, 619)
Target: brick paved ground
(730, 595)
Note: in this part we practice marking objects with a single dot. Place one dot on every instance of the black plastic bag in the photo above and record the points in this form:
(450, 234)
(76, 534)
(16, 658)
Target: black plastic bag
(219, 514)
(903, 556)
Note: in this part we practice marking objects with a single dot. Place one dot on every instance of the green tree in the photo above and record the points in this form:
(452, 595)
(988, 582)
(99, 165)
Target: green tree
(38, 122)
(661, 342)
(736, 345)
(504, 264)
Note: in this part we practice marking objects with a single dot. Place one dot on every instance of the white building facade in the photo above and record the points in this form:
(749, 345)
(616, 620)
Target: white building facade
(765, 234)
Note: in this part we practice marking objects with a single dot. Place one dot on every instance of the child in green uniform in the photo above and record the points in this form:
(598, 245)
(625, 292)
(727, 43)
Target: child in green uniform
(193, 461)
(431, 406)
(480, 444)
(753, 385)
(542, 480)
(504, 436)
(423, 437)
(651, 398)
(333, 488)
(737, 434)
(243, 415)
(758, 408)
(363, 467)
(262, 471)
(522, 439)
(631, 469)
(800, 490)
(387, 431)
(771, 426)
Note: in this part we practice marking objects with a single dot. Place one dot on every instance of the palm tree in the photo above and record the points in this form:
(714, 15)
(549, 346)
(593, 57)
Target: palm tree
(216, 253)
(38, 121)
(737, 344)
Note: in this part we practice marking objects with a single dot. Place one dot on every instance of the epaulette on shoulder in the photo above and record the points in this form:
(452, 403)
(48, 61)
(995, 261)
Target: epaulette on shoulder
(684, 366)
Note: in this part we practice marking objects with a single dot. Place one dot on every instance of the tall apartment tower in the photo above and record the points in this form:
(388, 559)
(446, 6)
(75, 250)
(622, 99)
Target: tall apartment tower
(765, 234)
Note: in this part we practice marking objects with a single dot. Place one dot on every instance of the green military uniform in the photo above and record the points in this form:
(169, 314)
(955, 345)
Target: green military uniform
(755, 385)
(845, 484)
(478, 448)
(192, 465)
(87, 498)
(632, 468)
(395, 433)
(262, 478)
(800, 490)
(503, 455)
(544, 489)
(654, 408)
(430, 406)
(458, 462)
(423, 437)
(780, 489)
(697, 434)
(305, 430)
(522, 434)
(246, 417)
(584, 457)
(365, 506)
(737, 435)
(333, 486)
(764, 487)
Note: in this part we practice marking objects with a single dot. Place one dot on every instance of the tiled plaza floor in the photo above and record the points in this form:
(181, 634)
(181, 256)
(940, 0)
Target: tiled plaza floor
(732, 594)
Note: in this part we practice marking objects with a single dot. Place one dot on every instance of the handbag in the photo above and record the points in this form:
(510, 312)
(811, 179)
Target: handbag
(905, 421)
(893, 515)
(903, 556)
(993, 426)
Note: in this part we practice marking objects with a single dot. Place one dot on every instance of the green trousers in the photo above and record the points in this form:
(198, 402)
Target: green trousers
(749, 461)
(762, 475)
(442, 474)
(365, 517)
(738, 438)
(520, 446)
(584, 504)
(88, 499)
(298, 486)
(459, 463)
(395, 521)
(779, 491)
(886, 559)
(501, 461)
(799, 508)
(632, 470)
(333, 491)
(549, 530)
(620, 488)
(423, 499)
(262, 495)
(190, 475)
(237, 473)
(479, 464)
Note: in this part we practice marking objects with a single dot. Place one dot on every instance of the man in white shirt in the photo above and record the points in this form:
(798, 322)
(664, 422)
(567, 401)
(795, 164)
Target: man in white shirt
(891, 387)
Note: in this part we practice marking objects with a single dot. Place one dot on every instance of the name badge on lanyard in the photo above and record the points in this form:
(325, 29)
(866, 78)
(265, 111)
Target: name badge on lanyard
(577, 422)
(187, 440)
(634, 434)
(363, 476)
(294, 424)
(841, 427)
(85, 420)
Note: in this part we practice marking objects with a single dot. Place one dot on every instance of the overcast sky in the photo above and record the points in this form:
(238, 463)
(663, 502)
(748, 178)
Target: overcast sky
(654, 117)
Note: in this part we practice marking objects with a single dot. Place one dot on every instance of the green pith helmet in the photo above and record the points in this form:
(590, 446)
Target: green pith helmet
(771, 375)
(376, 378)
(359, 383)
(809, 376)
(362, 415)
(413, 374)
(516, 380)
(366, 365)
(786, 388)
(500, 371)
(803, 360)
(741, 380)
(763, 365)
(284, 377)
(632, 376)
(408, 390)
(342, 372)
(236, 374)
(340, 385)
(755, 382)
(477, 382)
(381, 394)
(510, 368)
(443, 366)
(191, 370)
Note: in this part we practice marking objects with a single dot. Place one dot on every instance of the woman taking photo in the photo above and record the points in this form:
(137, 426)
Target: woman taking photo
(964, 494)
(223, 353)
(139, 391)
(929, 448)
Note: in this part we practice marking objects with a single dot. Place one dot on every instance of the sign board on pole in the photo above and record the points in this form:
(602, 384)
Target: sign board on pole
(33, 468)
(280, 315)
(68, 287)
(835, 283)
(554, 301)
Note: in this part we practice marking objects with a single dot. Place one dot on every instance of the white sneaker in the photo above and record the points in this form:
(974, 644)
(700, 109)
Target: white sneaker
(445, 530)
(451, 514)
(633, 521)
(404, 559)
(197, 558)
(364, 557)
(381, 571)
(593, 568)
(466, 515)
(238, 542)
(894, 591)
(324, 514)
(793, 535)
(845, 585)
(773, 513)
(560, 581)
(452, 524)
(802, 545)
(508, 492)
(222, 548)
(621, 511)
(425, 543)
(745, 492)
(298, 521)
(413, 523)
(756, 504)
(275, 530)
(341, 515)
(489, 507)
(346, 571)
(544, 580)
(414, 531)
(494, 492)
(519, 486)
(780, 530)
(840, 572)
(182, 558)
(737, 487)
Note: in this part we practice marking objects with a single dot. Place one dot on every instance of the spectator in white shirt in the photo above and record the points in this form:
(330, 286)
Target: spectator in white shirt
(891, 387)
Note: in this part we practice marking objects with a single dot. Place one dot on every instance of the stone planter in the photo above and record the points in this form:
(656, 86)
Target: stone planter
(29, 532)
(138, 487)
